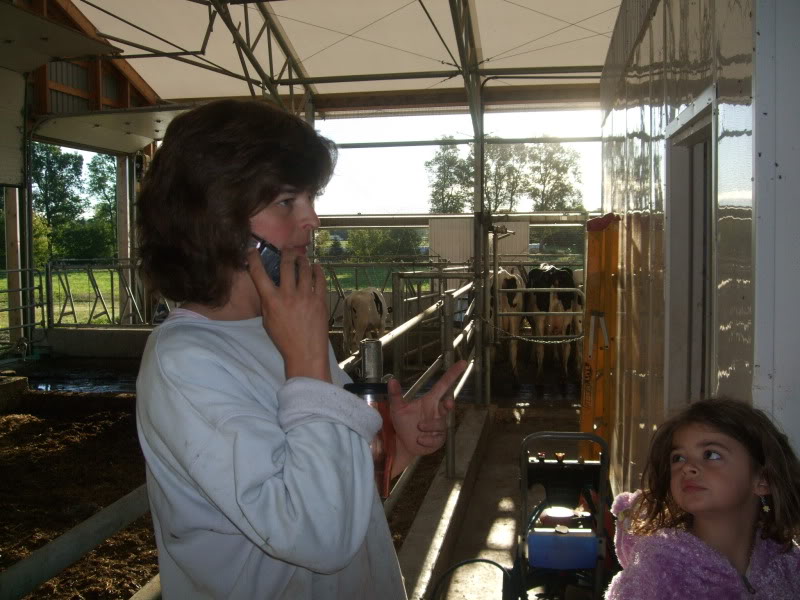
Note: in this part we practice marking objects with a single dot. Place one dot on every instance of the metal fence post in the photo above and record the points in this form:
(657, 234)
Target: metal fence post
(398, 317)
(448, 352)
(48, 284)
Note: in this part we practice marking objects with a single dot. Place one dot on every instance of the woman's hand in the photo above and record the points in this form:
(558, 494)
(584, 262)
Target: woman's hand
(421, 424)
(295, 314)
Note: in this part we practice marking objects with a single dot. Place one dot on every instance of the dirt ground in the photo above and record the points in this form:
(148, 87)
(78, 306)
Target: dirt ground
(59, 470)
(60, 467)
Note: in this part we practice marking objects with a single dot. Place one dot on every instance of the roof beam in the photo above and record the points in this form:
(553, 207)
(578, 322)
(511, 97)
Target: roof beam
(266, 80)
(449, 99)
(296, 65)
(495, 73)
(469, 55)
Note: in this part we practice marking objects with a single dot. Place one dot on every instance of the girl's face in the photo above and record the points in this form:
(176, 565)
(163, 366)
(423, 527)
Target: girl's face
(288, 222)
(713, 474)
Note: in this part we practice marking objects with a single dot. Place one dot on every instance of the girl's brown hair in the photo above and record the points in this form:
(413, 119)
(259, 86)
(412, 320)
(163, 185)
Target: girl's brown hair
(219, 165)
(768, 447)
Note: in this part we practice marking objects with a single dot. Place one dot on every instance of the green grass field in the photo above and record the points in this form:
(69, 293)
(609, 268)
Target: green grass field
(357, 277)
(82, 293)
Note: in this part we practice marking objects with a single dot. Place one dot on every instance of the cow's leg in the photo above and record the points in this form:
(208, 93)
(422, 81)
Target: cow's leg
(512, 354)
(539, 326)
(565, 351)
(577, 326)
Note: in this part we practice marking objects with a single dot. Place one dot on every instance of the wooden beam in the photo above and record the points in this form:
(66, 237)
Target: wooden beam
(41, 97)
(95, 85)
(66, 89)
(85, 25)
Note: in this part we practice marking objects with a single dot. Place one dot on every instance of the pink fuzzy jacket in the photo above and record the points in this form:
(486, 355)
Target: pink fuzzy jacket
(675, 565)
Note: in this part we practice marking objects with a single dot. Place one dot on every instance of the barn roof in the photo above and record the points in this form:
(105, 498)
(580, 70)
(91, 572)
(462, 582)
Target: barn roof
(351, 57)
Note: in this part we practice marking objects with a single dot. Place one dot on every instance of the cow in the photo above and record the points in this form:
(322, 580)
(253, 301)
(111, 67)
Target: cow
(510, 300)
(364, 316)
(554, 302)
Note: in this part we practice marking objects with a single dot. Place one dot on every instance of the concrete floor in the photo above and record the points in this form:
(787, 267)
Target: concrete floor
(490, 526)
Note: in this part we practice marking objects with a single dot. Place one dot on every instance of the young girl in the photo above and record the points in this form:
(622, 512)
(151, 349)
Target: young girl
(718, 513)
(259, 471)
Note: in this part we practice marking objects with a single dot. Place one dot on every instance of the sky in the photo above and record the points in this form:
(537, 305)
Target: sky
(394, 180)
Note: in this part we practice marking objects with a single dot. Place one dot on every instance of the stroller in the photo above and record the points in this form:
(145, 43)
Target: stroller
(563, 546)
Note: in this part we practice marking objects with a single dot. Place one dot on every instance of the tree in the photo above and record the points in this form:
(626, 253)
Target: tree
(450, 177)
(384, 242)
(402, 241)
(546, 175)
(322, 241)
(336, 248)
(41, 241)
(554, 175)
(84, 239)
(367, 242)
(505, 181)
(102, 188)
(57, 186)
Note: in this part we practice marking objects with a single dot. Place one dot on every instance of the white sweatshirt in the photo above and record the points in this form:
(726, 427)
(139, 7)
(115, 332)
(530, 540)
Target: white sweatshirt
(259, 487)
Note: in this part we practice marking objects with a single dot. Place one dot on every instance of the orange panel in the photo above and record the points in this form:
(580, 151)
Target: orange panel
(601, 281)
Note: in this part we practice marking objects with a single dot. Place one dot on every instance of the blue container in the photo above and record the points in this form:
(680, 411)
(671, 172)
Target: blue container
(575, 549)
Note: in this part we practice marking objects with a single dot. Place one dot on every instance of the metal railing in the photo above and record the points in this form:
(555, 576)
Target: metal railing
(443, 310)
(22, 308)
(96, 293)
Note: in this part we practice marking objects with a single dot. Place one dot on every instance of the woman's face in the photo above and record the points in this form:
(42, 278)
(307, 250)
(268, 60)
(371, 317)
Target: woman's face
(288, 222)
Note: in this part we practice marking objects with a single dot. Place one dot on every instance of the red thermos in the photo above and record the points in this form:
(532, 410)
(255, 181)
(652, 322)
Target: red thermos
(383, 444)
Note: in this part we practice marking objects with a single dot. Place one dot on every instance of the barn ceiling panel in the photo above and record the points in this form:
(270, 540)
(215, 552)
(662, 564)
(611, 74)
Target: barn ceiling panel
(29, 41)
(351, 56)
(352, 37)
(122, 132)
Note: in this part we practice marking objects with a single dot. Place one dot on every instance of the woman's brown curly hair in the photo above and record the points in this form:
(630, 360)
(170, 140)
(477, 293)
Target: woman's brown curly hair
(768, 447)
(219, 165)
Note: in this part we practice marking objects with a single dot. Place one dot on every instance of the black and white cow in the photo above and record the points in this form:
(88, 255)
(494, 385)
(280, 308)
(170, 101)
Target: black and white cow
(510, 300)
(554, 303)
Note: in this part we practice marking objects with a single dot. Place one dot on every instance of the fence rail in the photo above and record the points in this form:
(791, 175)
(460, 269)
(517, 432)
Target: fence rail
(22, 307)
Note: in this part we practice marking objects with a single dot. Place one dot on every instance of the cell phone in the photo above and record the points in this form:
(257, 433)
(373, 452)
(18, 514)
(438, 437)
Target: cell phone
(270, 257)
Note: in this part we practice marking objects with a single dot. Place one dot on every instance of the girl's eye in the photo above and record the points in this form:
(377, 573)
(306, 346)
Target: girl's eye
(676, 458)
(711, 455)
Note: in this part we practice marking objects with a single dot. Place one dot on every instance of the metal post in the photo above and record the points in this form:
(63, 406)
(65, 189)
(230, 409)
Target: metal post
(447, 352)
(48, 282)
(372, 360)
(495, 291)
(398, 318)
(13, 266)
(125, 178)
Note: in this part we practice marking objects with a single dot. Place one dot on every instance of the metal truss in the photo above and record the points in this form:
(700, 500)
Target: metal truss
(470, 59)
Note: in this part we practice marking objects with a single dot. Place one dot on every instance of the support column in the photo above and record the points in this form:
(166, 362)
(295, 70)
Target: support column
(776, 127)
(123, 234)
(12, 197)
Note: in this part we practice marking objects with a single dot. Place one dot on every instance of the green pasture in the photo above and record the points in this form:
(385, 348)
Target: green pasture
(358, 277)
(83, 296)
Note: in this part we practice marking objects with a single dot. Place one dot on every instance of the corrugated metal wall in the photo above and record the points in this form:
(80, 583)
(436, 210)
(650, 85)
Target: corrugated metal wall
(451, 238)
(663, 55)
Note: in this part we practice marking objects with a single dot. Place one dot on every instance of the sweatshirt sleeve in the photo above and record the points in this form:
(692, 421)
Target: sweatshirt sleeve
(646, 579)
(299, 484)
(624, 540)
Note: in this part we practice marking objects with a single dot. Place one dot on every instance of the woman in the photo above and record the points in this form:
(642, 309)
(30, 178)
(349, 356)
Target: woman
(259, 471)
